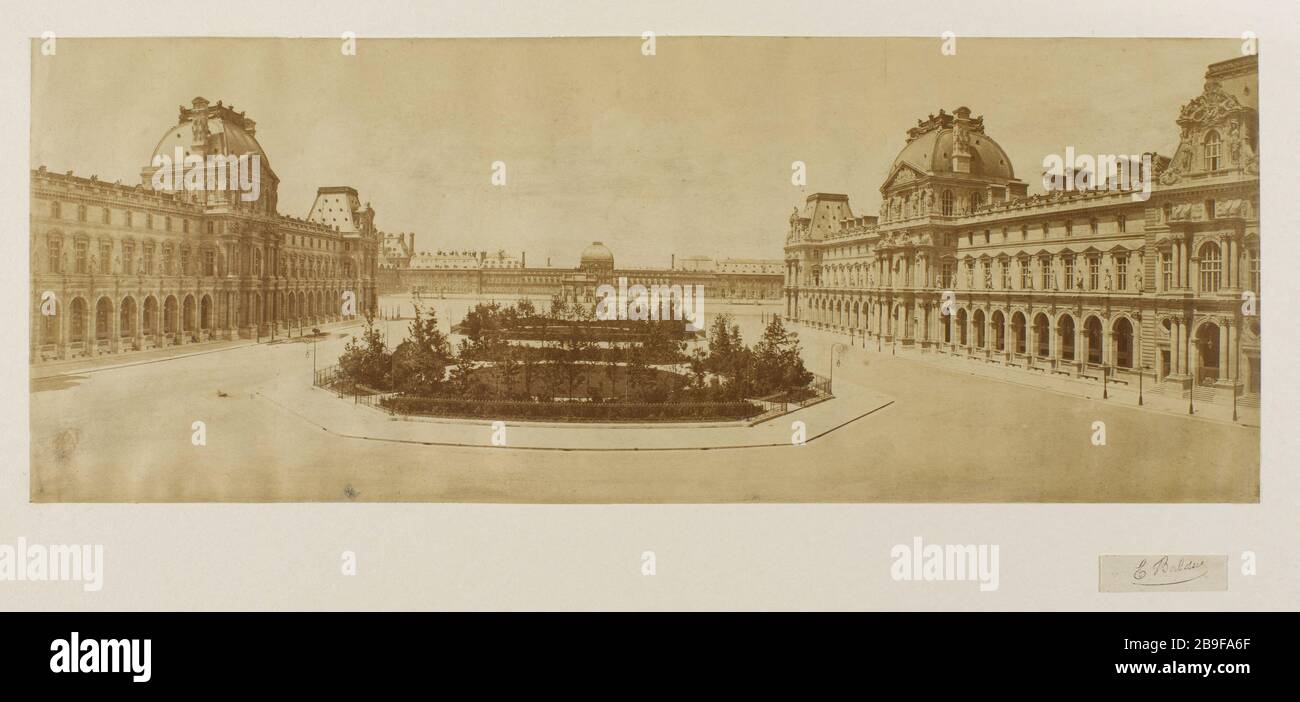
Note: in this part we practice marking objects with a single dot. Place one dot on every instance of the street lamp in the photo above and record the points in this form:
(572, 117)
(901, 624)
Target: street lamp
(1141, 374)
(830, 380)
(1234, 398)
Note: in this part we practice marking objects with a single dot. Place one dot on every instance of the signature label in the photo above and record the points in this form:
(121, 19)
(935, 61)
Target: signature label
(1163, 573)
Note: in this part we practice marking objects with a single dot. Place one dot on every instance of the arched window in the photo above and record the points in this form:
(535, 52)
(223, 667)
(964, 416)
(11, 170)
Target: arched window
(1211, 268)
(1211, 148)
(945, 203)
(975, 201)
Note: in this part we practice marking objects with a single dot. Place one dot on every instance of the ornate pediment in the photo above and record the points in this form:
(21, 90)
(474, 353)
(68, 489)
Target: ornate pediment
(1218, 111)
(1211, 109)
(902, 174)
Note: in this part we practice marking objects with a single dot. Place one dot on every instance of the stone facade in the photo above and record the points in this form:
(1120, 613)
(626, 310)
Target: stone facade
(119, 268)
(961, 260)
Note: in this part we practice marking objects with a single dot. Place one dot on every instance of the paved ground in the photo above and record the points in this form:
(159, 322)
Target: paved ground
(124, 434)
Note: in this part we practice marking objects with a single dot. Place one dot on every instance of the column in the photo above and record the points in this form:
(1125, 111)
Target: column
(1234, 341)
(115, 328)
(1178, 264)
(1008, 338)
(1053, 341)
(1176, 347)
(1223, 352)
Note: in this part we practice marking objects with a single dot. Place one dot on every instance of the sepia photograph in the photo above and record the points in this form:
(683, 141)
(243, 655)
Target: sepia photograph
(340, 322)
(583, 270)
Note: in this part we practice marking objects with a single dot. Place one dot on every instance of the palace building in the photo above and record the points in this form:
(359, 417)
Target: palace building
(961, 260)
(483, 273)
(119, 268)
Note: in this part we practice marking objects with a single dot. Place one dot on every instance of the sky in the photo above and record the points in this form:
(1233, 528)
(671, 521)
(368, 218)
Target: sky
(685, 152)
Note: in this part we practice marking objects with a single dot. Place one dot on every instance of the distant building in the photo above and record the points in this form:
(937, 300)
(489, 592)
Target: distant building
(481, 273)
(397, 250)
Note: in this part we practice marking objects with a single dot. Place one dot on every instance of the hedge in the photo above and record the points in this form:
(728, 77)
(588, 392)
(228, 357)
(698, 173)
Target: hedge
(584, 411)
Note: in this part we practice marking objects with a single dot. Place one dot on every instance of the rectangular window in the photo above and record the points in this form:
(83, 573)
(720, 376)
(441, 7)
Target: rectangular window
(1026, 275)
(106, 258)
(1094, 272)
(148, 260)
(1166, 271)
(167, 260)
(185, 226)
(209, 263)
(126, 217)
(56, 210)
(1045, 272)
(128, 257)
(81, 257)
(1006, 274)
(81, 213)
(1254, 270)
(106, 216)
(1069, 272)
(56, 256)
(946, 276)
(1122, 221)
(1121, 272)
(185, 260)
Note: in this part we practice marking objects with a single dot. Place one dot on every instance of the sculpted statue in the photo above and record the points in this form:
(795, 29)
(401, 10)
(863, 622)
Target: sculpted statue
(199, 128)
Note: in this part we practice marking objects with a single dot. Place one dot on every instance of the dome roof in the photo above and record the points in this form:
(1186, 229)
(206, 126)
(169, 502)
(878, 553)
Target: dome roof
(597, 255)
(218, 128)
(931, 151)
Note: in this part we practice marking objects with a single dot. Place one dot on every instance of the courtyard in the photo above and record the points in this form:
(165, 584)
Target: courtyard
(126, 434)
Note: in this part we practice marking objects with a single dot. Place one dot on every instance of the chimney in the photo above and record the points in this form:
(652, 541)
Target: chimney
(673, 266)
(523, 259)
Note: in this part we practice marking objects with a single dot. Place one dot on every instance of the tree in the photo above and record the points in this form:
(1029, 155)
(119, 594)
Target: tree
(777, 361)
(526, 308)
(508, 368)
(559, 307)
(420, 363)
(366, 361)
(463, 381)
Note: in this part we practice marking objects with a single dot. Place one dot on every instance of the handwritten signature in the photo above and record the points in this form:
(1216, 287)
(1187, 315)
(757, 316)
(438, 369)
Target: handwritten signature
(1163, 572)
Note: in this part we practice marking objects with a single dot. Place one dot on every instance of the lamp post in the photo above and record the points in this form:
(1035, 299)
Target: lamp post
(1234, 398)
(1104, 394)
(830, 380)
(1142, 372)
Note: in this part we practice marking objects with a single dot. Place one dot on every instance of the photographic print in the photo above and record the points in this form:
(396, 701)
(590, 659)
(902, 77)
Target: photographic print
(645, 270)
